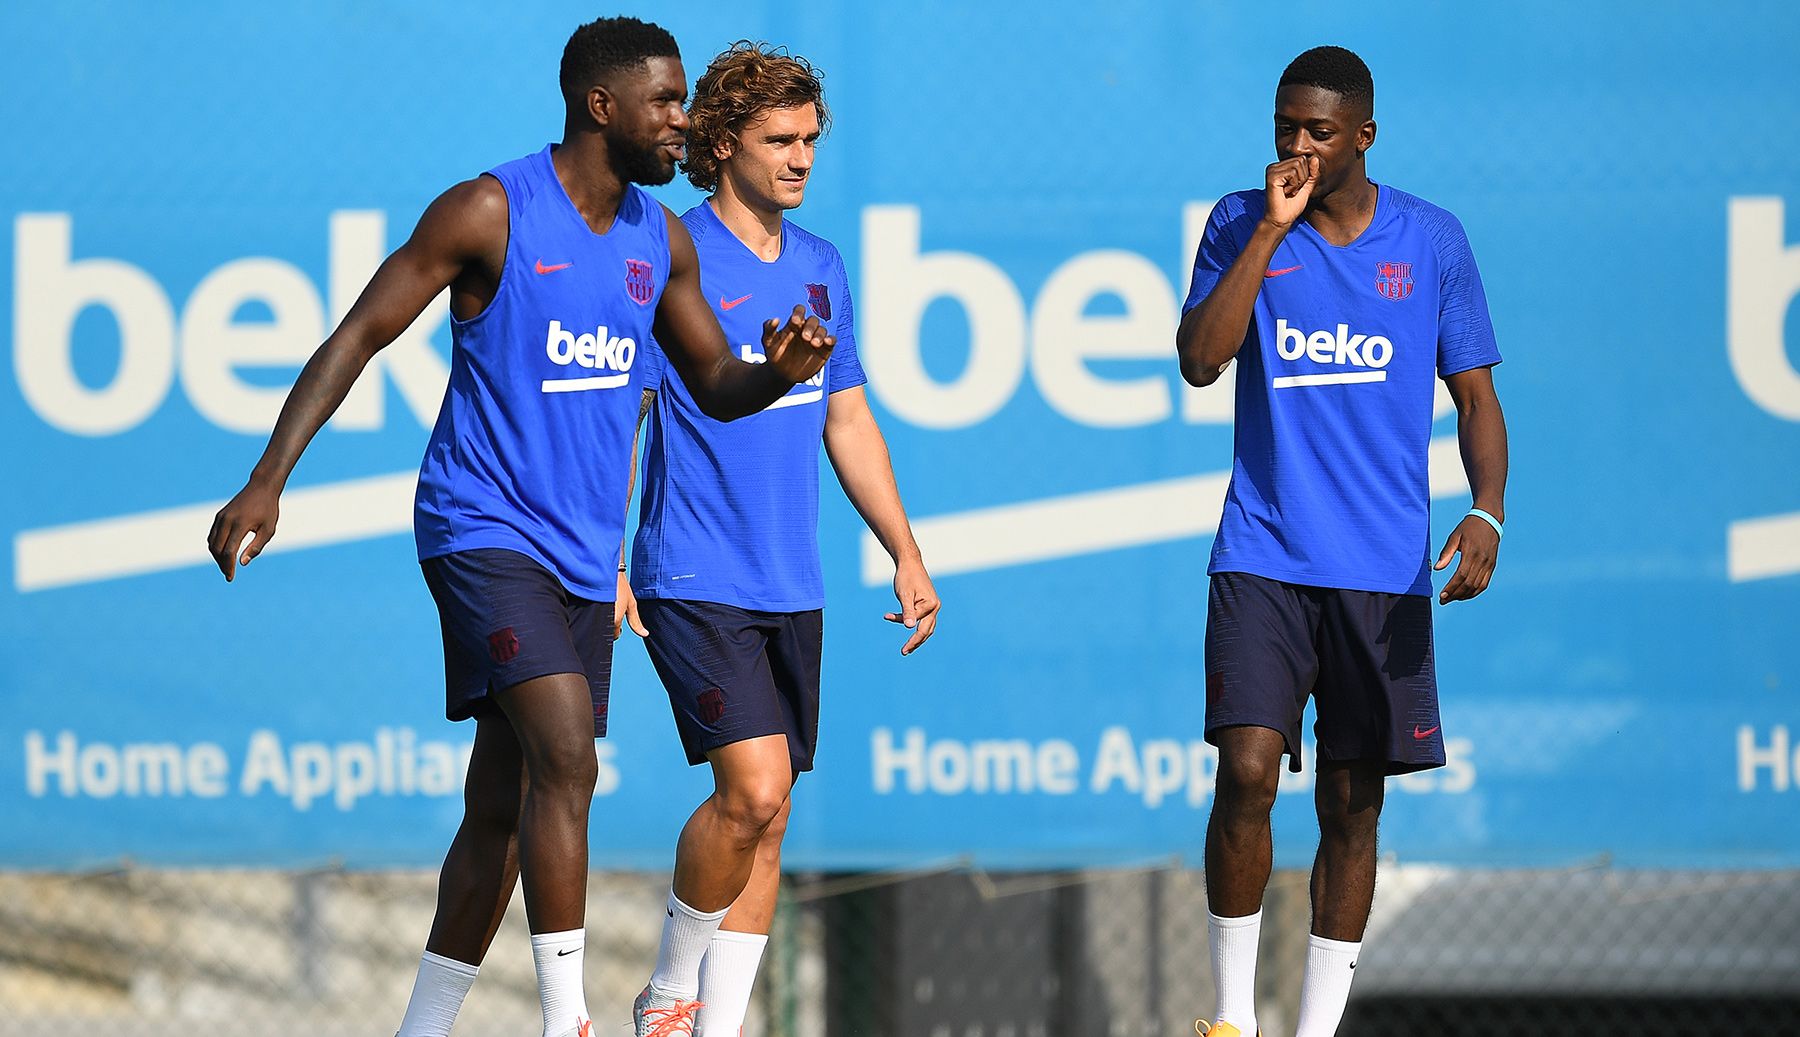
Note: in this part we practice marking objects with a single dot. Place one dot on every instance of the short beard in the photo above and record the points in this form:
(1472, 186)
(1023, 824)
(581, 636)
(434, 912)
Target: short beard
(638, 164)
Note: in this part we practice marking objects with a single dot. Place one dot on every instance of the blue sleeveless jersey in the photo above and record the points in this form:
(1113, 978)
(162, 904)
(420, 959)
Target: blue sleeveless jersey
(532, 447)
(731, 509)
(1329, 478)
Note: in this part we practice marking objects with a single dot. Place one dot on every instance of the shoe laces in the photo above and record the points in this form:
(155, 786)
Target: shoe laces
(676, 1020)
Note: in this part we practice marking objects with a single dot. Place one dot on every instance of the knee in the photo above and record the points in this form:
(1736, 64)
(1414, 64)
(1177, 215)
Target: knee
(1349, 809)
(493, 811)
(753, 808)
(777, 826)
(1246, 786)
(566, 768)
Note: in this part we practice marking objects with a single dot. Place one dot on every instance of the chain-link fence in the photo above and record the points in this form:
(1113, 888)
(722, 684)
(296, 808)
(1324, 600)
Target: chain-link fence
(950, 953)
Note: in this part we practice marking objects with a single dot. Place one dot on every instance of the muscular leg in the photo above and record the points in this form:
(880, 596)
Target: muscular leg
(553, 719)
(1239, 846)
(754, 909)
(728, 971)
(714, 862)
(1348, 798)
(1238, 854)
(483, 862)
(718, 849)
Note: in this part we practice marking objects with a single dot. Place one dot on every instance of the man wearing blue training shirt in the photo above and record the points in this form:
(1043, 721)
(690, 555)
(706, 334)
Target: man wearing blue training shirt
(725, 567)
(559, 267)
(1344, 300)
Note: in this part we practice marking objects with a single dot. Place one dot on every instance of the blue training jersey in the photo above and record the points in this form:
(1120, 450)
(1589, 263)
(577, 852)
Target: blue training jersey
(731, 509)
(532, 448)
(1329, 478)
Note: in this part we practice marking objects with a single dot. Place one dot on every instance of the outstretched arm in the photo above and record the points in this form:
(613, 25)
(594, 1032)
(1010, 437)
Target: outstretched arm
(1481, 433)
(722, 385)
(465, 226)
(859, 455)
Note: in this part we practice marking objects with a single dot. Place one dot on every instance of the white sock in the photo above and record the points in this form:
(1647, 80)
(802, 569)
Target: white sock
(1330, 966)
(726, 975)
(1234, 968)
(437, 995)
(685, 936)
(558, 958)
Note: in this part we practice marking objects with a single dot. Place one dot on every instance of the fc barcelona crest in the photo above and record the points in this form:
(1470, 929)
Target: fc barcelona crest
(639, 282)
(1394, 280)
(819, 300)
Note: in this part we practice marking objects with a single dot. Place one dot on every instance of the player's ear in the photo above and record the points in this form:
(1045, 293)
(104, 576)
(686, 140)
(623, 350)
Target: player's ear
(601, 104)
(724, 146)
(1365, 136)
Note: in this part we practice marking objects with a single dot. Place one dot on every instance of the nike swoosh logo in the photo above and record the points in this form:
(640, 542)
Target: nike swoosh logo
(723, 305)
(542, 269)
(1422, 735)
(1278, 273)
(566, 953)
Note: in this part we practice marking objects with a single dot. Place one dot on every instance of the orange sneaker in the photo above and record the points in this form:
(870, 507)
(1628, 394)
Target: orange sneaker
(656, 1015)
(1206, 1029)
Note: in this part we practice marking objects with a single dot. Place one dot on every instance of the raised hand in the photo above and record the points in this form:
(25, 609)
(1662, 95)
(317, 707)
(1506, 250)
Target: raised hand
(1480, 549)
(798, 348)
(254, 510)
(1287, 187)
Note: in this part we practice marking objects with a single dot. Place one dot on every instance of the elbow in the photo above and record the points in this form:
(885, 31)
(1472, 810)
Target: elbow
(1197, 372)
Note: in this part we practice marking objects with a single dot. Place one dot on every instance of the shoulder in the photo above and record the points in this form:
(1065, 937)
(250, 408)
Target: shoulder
(815, 248)
(469, 213)
(1236, 214)
(1437, 223)
(1241, 203)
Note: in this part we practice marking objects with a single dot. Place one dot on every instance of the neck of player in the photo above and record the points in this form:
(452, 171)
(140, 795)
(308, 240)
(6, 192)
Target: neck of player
(757, 226)
(1341, 216)
(588, 177)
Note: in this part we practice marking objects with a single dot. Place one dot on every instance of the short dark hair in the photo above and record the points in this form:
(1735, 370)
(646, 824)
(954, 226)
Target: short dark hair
(607, 45)
(1334, 69)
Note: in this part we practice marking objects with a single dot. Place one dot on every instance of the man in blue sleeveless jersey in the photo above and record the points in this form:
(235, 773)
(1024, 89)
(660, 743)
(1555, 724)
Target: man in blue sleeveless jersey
(559, 269)
(1345, 301)
(725, 566)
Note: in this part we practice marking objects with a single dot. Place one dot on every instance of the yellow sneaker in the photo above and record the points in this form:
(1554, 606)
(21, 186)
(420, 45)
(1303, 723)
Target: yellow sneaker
(1206, 1029)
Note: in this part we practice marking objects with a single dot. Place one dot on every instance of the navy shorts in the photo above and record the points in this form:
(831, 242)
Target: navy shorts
(507, 619)
(1365, 657)
(735, 673)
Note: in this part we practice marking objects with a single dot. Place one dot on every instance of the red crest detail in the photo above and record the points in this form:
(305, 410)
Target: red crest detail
(712, 705)
(640, 281)
(819, 300)
(503, 645)
(1394, 280)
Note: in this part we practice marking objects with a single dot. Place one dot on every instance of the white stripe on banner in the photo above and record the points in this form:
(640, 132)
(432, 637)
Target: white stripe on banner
(1757, 549)
(599, 381)
(174, 538)
(362, 509)
(1087, 523)
(1340, 378)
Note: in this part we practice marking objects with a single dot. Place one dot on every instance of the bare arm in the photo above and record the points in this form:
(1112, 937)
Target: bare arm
(859, 455)
(464, 229)
(1211, 333)
(625, 607)
(1481, 435)
(723, 386)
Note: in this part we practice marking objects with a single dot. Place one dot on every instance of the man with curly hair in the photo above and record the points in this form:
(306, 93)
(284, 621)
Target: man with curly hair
(559, 267)
(725, 567)
(1344, 301)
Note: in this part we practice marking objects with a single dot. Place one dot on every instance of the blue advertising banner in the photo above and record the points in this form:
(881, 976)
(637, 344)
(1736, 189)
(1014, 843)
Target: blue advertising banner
(192, 195)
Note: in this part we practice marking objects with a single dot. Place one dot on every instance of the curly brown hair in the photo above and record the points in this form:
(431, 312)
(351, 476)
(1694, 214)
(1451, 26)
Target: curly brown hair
(745, 81)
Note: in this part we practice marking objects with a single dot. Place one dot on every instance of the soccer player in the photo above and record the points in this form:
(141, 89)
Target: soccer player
(559, 268)
(725, 567)
(1345, 300)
